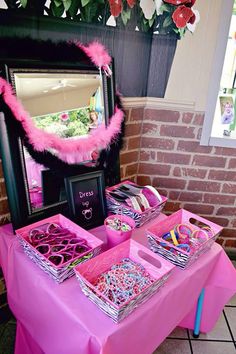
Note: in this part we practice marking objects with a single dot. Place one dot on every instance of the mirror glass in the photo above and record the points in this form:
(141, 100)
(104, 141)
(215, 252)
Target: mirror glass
(70, 105)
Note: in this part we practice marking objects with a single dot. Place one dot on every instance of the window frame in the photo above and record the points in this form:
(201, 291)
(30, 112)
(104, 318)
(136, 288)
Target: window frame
(215, 77)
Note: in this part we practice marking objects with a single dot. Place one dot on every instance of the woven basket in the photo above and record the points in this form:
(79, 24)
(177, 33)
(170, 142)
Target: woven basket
(88, 272)
(172, 253)
(140, 218)
(66, 270)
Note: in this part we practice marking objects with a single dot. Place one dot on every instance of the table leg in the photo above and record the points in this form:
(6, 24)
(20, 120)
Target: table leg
(197, 323)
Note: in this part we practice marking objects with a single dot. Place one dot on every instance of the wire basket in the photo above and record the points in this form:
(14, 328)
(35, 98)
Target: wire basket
(88, 273)
(172, 253)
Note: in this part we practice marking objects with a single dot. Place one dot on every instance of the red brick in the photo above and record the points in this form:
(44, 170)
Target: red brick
(150, 129)
(219, 221)
(131, 169)
(228, 233)
(124, 144)
(174, 195)
(229, 188)
(5, 219)
(219, 199)
(122, 172)
(133, 129)
(190, 197)
(134, 143)
(189, 172)
(163, 192)
(228, 211)
(204, 186)
(157, 143)
(199, 133)
(225, 151)
(187, 118)
(200, 208)
(147, 156)
(232, 163)
(161, 115)
(3, 192)
(154, 169)
(4, 209)
(128, 157)
(170, 206)
(177, 131)
(193, 146)
(209, 161)
(222, 175)
(171, 183)
(144, 180)
(230, 243)
(173, 158)
(136, 114)
(127, 114)
(220, 241)
(198, 119)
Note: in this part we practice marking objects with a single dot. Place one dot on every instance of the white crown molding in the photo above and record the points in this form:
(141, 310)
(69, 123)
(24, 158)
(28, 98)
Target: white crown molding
(157, 103)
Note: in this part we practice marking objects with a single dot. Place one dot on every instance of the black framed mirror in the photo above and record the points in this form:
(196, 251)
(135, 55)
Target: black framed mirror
(64, 93)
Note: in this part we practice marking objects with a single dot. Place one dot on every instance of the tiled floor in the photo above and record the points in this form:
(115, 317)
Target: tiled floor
(222, 340)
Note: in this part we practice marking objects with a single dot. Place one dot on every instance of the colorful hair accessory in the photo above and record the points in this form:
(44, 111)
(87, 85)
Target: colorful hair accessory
(209, 231)
(123, 281)
(200, 235)
(185, 247)
(173, 236)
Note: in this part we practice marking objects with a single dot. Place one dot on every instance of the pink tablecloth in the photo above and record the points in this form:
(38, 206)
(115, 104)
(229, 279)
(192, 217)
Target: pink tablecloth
(59, 319)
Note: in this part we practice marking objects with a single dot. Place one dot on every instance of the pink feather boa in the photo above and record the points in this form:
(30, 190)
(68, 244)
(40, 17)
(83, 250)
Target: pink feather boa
(70, 151)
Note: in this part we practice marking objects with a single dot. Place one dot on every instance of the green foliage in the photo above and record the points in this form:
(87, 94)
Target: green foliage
(98, 11)
(23, 3)
(76, 125)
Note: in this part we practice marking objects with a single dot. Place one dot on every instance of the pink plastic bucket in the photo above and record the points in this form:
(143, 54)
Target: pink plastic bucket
(115, 237)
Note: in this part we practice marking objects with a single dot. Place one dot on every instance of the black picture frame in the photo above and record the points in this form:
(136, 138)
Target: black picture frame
(17, 57)
(86, 199)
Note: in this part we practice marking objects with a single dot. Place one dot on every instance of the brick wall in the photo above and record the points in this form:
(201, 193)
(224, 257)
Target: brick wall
(197, 178)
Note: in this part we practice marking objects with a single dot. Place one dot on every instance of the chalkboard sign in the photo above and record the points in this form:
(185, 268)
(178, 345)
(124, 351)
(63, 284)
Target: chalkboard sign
(85, 195)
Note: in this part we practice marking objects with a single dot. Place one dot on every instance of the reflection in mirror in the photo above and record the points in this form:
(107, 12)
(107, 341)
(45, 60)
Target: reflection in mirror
(67, 104)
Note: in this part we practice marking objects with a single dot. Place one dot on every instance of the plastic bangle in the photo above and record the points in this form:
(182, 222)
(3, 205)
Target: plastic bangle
(201, 235)
(174, 239)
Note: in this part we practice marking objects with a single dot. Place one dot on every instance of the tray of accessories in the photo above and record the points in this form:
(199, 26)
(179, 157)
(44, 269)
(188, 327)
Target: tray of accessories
(57, 245)
(182, 237)
(141, 203)
(122, 278)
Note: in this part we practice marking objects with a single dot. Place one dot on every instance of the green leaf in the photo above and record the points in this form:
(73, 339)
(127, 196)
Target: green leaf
(84, 2)
(57, 3)
(23, 3)
(67, 4)
(167, 22)
(165, 8)
(74, 8)
(89, 13)
(150, 22)
(125, 16)
(182, 32)
(57, 11)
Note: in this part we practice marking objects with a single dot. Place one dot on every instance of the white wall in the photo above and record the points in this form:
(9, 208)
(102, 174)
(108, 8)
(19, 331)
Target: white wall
(191, 69)
(59, 102)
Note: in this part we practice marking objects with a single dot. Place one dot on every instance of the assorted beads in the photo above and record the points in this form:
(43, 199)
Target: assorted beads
(58, 244)
(118, 225)
(123, 281)
(186, 238)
